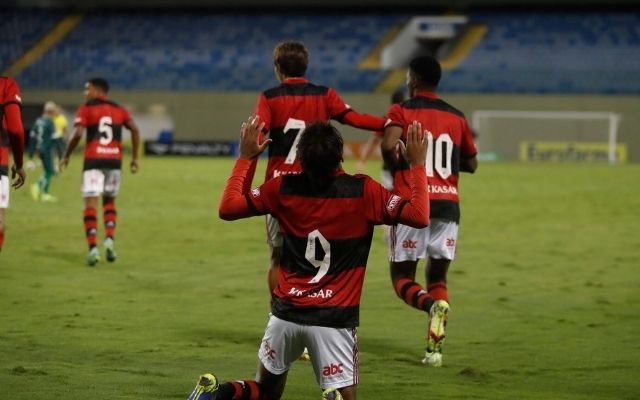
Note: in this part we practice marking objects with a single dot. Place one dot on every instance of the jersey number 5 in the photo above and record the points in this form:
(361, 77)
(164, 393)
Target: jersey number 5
(439, 155)
(105, 128)
(293, 125)
(310, 254)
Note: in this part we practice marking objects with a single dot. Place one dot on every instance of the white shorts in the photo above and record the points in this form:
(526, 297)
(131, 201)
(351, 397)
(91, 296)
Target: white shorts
(438, 240)
(333, 351)
(99, 182)
(4, 191)
(274, 236)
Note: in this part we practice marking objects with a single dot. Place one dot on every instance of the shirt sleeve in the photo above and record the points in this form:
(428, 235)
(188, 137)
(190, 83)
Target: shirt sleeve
(11, 93)
(381, 206)
(467, 146)
(236, 203)
(396, 116)
(125, 115)
(263, 110)
(81, 116)
(12, 103)
(336, 106)
(384, 207)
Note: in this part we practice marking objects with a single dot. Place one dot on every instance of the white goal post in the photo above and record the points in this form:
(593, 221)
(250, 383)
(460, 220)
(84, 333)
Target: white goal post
(613, 121)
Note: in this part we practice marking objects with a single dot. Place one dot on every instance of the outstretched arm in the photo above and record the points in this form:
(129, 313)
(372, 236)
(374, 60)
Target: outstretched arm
(415, 213)
(392, 135)
(234, 204)
(366, 151)
(362, 121)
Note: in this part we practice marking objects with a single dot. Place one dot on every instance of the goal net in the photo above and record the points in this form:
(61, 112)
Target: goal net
(555, 136)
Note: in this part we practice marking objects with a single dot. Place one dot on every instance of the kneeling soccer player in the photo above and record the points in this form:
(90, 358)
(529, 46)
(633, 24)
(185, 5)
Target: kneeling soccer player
(327, 218)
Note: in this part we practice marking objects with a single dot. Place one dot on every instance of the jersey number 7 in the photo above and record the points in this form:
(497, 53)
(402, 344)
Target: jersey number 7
(293, 125)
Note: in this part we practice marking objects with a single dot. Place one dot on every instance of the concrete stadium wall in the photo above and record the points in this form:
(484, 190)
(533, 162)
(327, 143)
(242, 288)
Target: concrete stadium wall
(209, 116)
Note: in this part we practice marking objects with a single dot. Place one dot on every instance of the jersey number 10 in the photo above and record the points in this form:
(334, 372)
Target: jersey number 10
(439, 155)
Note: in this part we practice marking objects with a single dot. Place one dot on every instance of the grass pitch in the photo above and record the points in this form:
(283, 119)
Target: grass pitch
(545, 292)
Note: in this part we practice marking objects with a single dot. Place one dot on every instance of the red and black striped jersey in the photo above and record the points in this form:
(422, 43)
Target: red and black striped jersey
(450, 139)
(327, 236)
(285, 110)
(103, 120)
(9, 94)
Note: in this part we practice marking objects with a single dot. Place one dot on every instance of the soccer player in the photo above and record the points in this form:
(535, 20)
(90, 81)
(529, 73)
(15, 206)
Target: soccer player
(327, 219)
(11, 136)
(285, 110)
(41, 139)
(451, 150)
(103, 120)
(60, 122)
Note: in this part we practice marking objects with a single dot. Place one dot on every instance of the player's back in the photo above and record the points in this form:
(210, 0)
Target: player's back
(449, 138)
(327, 236)
(286, 109)
(103, 120)
(44, 131)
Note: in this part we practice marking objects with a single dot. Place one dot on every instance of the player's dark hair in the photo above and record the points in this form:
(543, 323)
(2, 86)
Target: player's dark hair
(398, 96)
(291, 58)
(100, 83)
(427, 70)
(320, 152)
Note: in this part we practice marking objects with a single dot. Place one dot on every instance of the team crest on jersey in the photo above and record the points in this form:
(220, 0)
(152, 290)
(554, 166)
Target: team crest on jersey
(393, 202)
(255, 192)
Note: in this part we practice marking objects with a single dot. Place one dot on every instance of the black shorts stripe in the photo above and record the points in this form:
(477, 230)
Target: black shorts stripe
(333, 317)
(102, 163)
(343, 187)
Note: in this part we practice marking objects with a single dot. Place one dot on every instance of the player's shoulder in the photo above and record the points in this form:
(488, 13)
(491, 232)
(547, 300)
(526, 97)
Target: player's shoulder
(427, 103)
(102, 102)
(305, 88)
(9, 90)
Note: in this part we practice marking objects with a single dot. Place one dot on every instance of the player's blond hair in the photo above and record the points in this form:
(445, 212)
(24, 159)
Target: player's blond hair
(291, 58)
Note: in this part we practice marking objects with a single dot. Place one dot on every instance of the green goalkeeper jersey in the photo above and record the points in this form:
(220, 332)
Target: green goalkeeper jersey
(41, 135)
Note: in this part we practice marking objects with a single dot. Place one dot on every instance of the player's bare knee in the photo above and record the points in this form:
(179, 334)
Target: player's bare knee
(349, 392)
(437, 269)
(403, 269)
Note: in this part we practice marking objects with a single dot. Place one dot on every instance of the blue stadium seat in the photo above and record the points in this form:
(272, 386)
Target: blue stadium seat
(208, 51)
(540, 52)
(20, 29)
(552, 53)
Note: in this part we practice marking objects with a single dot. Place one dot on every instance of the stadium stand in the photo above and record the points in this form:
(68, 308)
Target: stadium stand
(539, 52)
(552, 53)
(208, 51)
(20, 29)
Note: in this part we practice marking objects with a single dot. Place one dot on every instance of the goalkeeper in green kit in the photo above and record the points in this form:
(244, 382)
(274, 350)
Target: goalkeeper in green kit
(41, 139)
